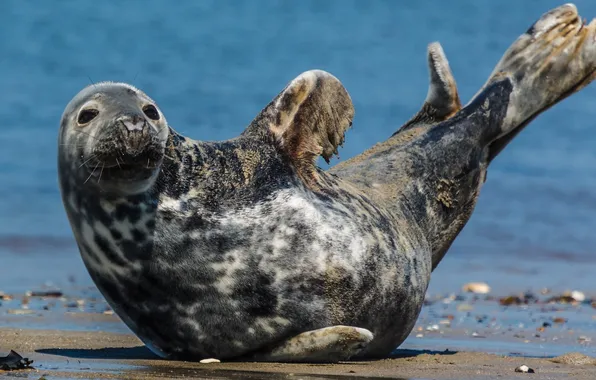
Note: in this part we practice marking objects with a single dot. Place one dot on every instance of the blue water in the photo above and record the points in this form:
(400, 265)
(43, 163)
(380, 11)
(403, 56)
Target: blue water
(213, 65)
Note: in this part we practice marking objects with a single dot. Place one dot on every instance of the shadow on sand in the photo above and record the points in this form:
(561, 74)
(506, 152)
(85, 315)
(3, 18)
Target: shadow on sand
(139, 352)
(142, 352)
(185, 369)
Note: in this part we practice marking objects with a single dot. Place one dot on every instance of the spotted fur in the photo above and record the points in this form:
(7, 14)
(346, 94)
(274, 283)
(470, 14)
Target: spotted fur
(225, 249)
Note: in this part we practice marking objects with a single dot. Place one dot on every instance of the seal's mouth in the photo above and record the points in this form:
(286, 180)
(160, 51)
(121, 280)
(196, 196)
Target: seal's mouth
(124, 168)
(120, 158)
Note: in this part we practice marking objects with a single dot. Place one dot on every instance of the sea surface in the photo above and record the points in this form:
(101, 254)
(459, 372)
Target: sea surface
(213, 65)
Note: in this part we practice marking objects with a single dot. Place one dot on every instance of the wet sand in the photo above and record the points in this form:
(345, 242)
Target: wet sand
(80, 355)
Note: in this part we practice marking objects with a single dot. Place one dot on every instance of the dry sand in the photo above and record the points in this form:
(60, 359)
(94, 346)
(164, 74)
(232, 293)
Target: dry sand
(59, 354)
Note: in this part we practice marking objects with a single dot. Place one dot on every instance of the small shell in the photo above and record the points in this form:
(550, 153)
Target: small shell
(524, 369)
(578, 296)
(476, 287)
(211, 360)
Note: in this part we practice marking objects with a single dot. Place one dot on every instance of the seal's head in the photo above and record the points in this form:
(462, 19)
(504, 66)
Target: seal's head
(112, 139)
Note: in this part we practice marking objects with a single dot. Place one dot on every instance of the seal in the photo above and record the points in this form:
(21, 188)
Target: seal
(244, 249)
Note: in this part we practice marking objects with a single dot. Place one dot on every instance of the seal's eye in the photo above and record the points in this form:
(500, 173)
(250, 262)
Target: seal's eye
(87, 115)
(151, 112)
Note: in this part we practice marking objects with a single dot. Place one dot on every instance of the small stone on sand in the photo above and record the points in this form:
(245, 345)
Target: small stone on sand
(578, 296)
(209, 361)
(476, 287)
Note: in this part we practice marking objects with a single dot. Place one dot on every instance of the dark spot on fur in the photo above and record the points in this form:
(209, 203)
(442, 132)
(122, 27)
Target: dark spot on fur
(124, 211)
(256, 294)
(137, 235)
(115, 234)
(194, 222)
(90, 253)
(95, 212)
(111, 288)
(112, 256)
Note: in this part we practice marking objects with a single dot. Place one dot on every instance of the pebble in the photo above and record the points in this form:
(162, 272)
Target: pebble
(524, 369)
(511, 300)
(209, 361)
(476, 287)
(578, 296)
(5, 297)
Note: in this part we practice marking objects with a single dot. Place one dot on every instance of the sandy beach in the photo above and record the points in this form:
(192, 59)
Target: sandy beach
(82, 355)
(73, 333)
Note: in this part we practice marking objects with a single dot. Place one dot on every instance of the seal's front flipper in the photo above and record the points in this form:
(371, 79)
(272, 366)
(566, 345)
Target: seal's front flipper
(442, 100)
(307, 119)
(326, 345)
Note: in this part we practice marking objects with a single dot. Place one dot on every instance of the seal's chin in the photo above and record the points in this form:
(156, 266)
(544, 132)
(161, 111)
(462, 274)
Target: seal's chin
(138, 182)
(125, 174)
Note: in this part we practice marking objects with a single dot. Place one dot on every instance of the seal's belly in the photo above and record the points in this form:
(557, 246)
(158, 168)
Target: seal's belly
(229, 283)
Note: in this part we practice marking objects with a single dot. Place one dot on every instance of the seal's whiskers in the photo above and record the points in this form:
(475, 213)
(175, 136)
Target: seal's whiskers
(95, 168)
(101, 172)
(87, 160)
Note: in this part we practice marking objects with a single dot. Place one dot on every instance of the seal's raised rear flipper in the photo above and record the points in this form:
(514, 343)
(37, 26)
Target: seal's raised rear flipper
(326, 345)
(308, 119)
(442, 100)
(555, 58)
